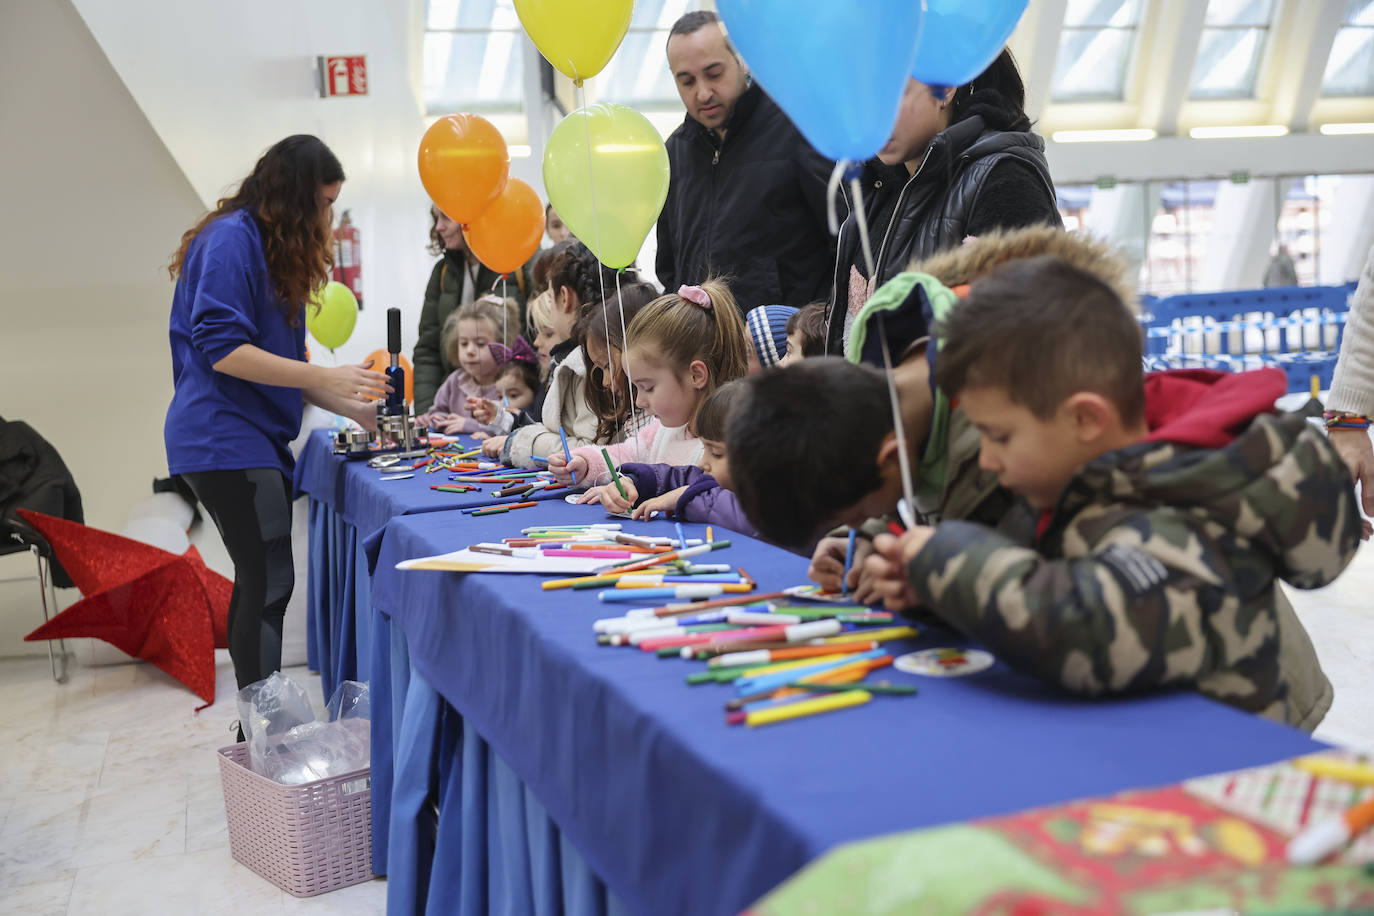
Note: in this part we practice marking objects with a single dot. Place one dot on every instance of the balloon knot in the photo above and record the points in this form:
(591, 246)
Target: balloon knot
(853, 170)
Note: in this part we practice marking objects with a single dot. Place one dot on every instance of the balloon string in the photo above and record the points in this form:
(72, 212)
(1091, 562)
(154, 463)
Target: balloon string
(505, 314)
(832, 190)
(862, 220)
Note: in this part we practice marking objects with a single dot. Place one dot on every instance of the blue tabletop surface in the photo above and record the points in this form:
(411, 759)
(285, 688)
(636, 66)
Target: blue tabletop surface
(679, 812)
(366, 500)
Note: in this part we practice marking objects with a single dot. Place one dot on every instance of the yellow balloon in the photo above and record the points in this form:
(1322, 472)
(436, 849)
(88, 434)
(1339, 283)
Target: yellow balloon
(612, 212)
(331, 314)
(577, 36)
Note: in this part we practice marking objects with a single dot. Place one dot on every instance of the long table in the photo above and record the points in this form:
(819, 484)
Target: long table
(571, 777)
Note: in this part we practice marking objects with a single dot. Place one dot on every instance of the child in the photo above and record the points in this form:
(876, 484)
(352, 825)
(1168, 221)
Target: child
(805, 333)
(1157, 516)
(694, 494)
(767, 327)
(517, 380)
(467, 333)
(573, 282)
(602, 332)
(541, 329)
(681, 347)
(839, 416)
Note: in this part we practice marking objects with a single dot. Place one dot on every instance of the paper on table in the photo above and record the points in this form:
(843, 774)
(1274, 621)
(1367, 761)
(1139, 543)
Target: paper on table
(473, 561)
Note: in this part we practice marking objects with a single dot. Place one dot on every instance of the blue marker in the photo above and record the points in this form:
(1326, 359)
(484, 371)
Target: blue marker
(848, 563)
(567, 453)
(681, 538)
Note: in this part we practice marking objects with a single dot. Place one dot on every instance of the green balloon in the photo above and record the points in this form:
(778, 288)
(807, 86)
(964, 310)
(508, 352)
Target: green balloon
(331, 314)
(609, 195)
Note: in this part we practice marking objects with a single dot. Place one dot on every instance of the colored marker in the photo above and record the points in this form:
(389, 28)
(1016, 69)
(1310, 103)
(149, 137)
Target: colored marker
(567, 453)
(537, 460)
(680, 592)
(1329, 836)
(756, 657)
(397, 477)
(1362, 774)
(881, 687)
(668, 557)
(748, 685)
(848, 562)
(615, 478)
(681, 537)
(803, 708)
(494, 510)
(709, 535)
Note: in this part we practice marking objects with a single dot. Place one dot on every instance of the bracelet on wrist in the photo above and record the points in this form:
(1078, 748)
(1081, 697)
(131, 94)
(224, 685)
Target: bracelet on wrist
(1340, 419)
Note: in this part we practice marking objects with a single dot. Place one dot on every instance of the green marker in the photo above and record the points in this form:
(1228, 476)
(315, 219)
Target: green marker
(614, 476)
(883, 687)
(713, 675)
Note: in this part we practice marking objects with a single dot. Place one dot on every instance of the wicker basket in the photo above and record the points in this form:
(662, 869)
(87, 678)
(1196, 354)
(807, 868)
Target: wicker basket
(305, 839)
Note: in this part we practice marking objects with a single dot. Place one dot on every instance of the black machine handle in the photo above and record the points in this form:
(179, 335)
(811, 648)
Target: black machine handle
(393, 331)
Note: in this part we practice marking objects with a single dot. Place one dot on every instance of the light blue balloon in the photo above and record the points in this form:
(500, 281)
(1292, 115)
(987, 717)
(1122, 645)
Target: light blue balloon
(837, 68)
(961, 37)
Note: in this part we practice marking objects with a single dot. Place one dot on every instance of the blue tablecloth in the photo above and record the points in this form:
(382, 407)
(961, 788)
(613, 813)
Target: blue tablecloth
(679, 813)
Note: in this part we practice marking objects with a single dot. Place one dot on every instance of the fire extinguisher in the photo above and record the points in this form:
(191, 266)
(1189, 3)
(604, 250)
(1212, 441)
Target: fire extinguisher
(348, 267)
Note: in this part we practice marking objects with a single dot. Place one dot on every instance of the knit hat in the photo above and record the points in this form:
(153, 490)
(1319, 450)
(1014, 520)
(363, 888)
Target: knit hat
(768, 332)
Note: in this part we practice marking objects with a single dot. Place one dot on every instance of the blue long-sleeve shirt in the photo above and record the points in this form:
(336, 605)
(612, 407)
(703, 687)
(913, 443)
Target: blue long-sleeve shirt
(224, 299)
(705, 500)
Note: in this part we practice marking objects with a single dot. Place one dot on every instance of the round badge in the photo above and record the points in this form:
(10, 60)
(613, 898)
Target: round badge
(944, 662)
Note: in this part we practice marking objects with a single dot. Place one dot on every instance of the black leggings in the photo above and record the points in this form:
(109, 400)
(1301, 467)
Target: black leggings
(252, 510)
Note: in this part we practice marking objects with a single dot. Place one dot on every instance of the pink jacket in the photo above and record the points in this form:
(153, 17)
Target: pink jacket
(452, 398)
(654, 444)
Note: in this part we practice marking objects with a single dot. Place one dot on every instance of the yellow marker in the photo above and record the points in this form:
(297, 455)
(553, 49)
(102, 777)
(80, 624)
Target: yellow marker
(727, 588)
(825, 703)
(710, 535)
(1316, 385)
(1362, 774)
(787, 666)
(880, 635)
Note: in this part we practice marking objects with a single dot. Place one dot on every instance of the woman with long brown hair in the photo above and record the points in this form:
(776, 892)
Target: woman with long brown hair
(243, 274)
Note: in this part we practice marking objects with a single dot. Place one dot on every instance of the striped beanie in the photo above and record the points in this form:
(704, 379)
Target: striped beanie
(768, 332)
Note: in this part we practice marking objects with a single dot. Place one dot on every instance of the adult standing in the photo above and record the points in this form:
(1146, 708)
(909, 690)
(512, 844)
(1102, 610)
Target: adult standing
(747, 196)
(1351, 401)
(457, 279)
(243, 274)
(960, 162)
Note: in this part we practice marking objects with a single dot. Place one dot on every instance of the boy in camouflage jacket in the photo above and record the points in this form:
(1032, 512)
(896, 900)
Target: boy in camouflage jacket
(1158, 514)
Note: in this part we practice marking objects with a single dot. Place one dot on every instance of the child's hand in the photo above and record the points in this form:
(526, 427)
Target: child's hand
(560, 468)
(492, 448)
(886, 567)
(610, 497)
(827, 563)
(483, 410)
(454, 425)
(434, 419)
(664, 502)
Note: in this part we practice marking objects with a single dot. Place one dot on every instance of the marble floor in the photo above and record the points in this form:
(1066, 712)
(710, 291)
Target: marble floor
(110, 799)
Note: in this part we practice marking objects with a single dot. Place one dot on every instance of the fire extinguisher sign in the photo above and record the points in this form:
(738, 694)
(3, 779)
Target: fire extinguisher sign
(343, 76)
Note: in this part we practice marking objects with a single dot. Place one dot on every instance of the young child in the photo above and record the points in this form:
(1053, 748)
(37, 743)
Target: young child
(571, 271)
(543, 335)
(467, 333)
(1157, 515)
(698, 493)
(517, 380)
(805, 333)
(602, 332)
(839, 416)
(767, 327)
(681, 347)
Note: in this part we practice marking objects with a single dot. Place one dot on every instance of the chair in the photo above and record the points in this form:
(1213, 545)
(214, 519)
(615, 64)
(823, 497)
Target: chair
(34, 476)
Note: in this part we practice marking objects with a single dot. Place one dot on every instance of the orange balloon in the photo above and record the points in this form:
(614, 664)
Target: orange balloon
(504, 237)
(464, 165)
(381, 359)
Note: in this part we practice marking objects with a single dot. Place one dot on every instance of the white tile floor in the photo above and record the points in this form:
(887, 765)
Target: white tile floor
(110, 797)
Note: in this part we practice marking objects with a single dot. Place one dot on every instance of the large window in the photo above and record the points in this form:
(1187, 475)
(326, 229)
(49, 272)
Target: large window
(1350, 69)
(1179, 236)
(1233, 40)
(638, 73)
(1094, 50)
(473, 57)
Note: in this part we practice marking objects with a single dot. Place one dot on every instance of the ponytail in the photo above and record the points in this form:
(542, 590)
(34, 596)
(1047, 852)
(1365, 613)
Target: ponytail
(695, 323)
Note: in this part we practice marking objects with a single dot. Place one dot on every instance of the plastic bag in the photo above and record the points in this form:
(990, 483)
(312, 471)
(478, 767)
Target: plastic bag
(289, 745)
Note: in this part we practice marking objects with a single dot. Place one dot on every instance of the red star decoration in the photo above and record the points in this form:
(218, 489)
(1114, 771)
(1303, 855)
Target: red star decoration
(165, 608)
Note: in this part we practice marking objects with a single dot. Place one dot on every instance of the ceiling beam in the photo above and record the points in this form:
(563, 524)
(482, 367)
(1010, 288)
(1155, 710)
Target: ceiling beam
(1177, 30)
(1311, 29)
(1036, 45)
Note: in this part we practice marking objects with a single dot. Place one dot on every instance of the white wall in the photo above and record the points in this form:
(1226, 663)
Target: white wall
(221, 82)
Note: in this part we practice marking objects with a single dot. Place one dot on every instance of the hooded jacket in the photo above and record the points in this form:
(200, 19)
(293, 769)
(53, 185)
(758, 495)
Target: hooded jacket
(975, 177)
(565, 407)
(704, 500)
(751, 207)
(1160, 563)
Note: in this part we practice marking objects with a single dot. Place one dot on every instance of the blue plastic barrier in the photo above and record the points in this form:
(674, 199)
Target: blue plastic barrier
(1294, 328)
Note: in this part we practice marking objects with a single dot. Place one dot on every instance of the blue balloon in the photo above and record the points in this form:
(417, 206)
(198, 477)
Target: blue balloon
(961, 37)
(837, 68)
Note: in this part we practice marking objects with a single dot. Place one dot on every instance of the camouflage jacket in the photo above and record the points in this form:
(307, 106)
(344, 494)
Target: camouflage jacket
(1159, 566)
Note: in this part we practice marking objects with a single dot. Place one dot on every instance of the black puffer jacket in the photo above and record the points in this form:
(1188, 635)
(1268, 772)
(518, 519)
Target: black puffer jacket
(973, 178)
(33, 476)
(751, 207)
